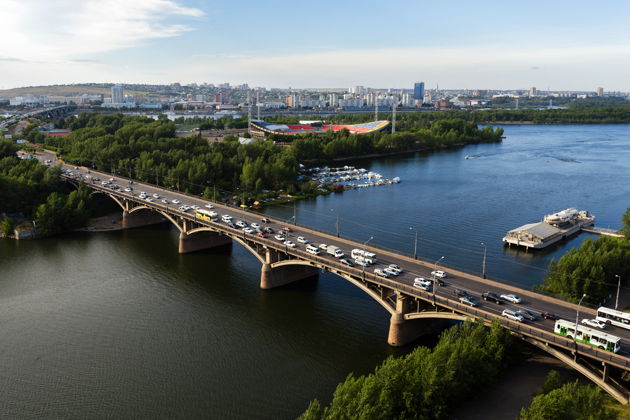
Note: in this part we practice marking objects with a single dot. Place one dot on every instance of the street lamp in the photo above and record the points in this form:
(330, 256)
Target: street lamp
(433, 275)
(618, 287)
(337, 225)
(483, 266)
(363, 265)
(577, 314)
(415, 243)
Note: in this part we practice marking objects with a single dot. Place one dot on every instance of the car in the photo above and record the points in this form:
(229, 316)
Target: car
(175, 201)
(468, 300)
(391, 271)
(104, 183)
(279, 237)
(96, 179)
(164, 201)
(396, 268)
(423, 286)
(460, 292)
(287, 229)
(302, 240)
(248, 230)
(210, 206)
(289, 243)
(194, 207)
(232, 225)
(128, 190)
(255, 225)
(183, 208)
(512, 315)
(312, 250)
(511, 298)
(268, 229)
(264, 220)
(323, 246)
(491, 296)
(149, 199)
(438, 273)
(527, 314)
(361, 262)
(550, 316)
(241, 224)
(111, 179)
(594, 323)
(345, 262)
(156, 195)
(380, 272)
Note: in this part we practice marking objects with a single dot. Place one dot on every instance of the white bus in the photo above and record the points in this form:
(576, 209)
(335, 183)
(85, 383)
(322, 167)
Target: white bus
(588, 336)
(614, 317)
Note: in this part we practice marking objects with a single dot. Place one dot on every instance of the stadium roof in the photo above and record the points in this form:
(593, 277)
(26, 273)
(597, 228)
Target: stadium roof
(292, 129)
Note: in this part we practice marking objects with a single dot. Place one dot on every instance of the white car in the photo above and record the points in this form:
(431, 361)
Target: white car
(391, 271)
(184, 208)
(380, 272)
(594, 323)
(302, 240)
(241, 224)
(512, 315)
(511, 298)
(361, 262)
(156, 195)
(210, 206)
(323, 246)
(438, 273)
(396, 268)
(279, 237)
(289, 243)
(422, 284)
(312, 249)
(255, 225)
(128, 190)
(194, 207)
(149, 199)
(175, 201)
(164, 201)
(248, 230)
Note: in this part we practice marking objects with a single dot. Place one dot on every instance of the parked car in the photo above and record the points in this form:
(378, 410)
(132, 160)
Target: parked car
(594, 323)
(550, 316)
(438, 273)
(527, 314)
(491, 296)
(512, 315)
(511, 298)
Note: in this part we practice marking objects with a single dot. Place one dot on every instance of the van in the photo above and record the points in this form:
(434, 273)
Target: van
(312, 249)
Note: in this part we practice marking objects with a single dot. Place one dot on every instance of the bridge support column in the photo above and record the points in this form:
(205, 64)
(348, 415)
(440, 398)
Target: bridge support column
(201, 240)
(139, 219)
(403, 331)
(279, 276)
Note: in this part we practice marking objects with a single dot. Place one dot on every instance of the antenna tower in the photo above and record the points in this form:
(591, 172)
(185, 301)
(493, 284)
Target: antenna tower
(258, 103)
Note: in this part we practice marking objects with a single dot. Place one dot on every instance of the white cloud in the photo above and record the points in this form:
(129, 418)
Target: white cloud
(42, 30)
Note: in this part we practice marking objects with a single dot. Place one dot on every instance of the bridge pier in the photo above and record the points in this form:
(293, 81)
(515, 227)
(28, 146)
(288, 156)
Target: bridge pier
(279, 276)
(139, 219)
(201, 240)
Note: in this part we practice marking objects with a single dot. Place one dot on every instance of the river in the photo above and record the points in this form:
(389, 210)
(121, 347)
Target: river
(108, 325)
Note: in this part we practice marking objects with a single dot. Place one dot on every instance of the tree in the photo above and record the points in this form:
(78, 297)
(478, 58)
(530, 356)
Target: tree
(570, 402)
(625, 219)
(7, 226)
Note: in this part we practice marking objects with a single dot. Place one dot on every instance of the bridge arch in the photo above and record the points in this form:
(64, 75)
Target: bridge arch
(249, 248)
(370, 292)
(436, 315)
(294, 262)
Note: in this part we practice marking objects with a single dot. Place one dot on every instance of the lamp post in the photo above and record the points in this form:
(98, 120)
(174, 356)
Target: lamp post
(483, 266)
(337, 224)
(618, 287)
(363, 265)
(433, 275)
(577, 314)
(415, 242)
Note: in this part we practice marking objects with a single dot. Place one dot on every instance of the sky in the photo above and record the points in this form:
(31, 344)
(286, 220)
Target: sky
(456, 44)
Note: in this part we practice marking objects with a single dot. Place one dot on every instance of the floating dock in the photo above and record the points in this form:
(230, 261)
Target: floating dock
(554, 227)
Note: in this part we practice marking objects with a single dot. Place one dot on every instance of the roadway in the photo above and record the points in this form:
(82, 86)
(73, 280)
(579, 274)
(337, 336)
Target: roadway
(412, 268)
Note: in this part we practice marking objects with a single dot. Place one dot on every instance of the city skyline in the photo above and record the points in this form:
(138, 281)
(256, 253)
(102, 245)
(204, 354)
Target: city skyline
(559, 46)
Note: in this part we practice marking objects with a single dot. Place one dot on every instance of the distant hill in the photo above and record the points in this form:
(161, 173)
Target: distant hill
(65, 90)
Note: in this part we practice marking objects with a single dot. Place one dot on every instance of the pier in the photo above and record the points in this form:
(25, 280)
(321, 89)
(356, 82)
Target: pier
(602, 231)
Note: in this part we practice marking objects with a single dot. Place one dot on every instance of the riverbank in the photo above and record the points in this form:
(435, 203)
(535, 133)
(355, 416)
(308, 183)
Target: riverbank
(108, 223)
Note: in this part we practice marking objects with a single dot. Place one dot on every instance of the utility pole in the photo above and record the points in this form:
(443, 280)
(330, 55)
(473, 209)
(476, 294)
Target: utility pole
(214, 192)
(294, 214)
(483, 266)
(337, 226)
(618, 287)
(415, 247)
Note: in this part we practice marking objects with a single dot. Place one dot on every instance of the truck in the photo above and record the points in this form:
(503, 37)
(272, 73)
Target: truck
(368, 257)
(334, 251)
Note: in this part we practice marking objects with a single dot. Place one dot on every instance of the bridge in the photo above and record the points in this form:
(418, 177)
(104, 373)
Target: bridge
(413, 311)
(49, 113)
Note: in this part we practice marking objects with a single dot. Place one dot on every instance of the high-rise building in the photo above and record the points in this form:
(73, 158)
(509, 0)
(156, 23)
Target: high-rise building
(418, 91)
(532, 91)
(118, 94)
(599, 91)
(333, 99)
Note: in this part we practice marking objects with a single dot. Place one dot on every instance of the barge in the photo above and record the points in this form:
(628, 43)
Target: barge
(553, 228)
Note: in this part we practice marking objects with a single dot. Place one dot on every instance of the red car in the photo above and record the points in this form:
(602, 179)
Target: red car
(287, 229)
(262, 235)
(549, 315)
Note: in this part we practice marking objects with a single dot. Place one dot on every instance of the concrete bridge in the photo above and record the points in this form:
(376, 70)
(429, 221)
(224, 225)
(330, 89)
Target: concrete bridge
(49, 113)
(413, 311)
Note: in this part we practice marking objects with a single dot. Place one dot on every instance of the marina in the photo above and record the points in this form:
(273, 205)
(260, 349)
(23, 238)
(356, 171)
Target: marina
(348, 177)
(553, 228)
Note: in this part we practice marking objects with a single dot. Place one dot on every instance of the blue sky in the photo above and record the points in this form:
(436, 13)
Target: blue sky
(562, 45)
